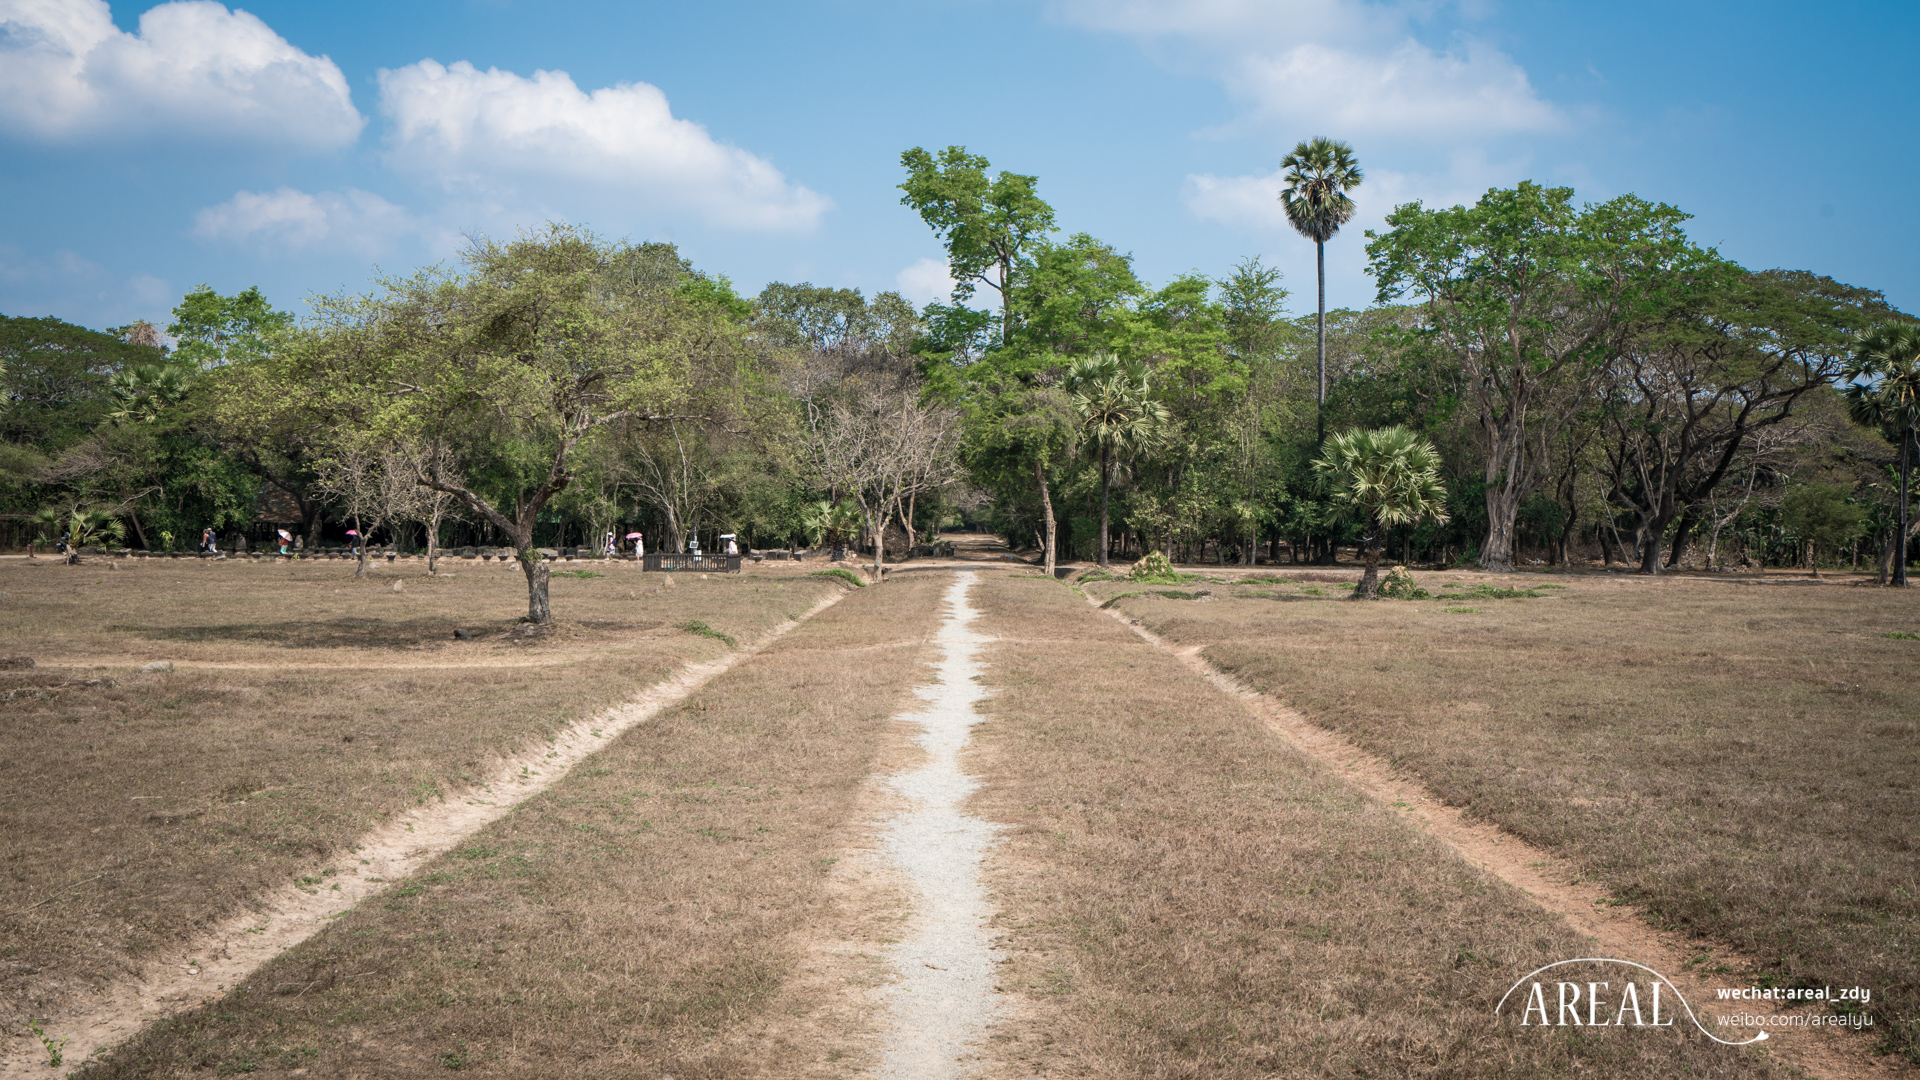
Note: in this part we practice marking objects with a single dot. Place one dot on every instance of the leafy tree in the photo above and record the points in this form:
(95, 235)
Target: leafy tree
(1388, 476)
(55, 380)
(211, 330)
(1724, 355)
(1518, 290)
(143, 392)
(985, 224)
(1883, 391)
(1320, 172)
(1822, 516)
(504, 375)
(1119, 418)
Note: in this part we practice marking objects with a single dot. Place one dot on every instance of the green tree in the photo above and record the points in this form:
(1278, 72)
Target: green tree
(1822, 517)
(1320, 172)
(211, 330)
(1883, 391)
(1518, 290)
(503, 376)
(1119, 419)
(1387, 476)
(985, 224)
(55, 380)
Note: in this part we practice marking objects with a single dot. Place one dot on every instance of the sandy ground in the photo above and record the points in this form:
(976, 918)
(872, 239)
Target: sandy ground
(944, 999)
(204, 967)
(1620, 931)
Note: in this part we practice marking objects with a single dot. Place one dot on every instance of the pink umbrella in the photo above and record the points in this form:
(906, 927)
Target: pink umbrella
(634, 536)
(351, 532)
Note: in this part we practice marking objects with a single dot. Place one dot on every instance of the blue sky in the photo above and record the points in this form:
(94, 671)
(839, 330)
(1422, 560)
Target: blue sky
(147, 148)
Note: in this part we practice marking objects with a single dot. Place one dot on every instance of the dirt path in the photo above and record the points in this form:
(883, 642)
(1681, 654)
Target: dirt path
(203, 968)
(944, 998)
(1619, 930)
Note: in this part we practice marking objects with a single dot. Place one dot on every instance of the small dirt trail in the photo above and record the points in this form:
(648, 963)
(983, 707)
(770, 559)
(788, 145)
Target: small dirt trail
(1555, 883)
(944, 999)
(203, 968)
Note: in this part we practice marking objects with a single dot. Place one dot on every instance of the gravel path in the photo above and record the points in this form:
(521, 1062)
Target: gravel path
(944, 998)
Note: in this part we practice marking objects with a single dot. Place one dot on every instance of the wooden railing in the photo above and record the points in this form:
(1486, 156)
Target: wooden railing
(710, 564)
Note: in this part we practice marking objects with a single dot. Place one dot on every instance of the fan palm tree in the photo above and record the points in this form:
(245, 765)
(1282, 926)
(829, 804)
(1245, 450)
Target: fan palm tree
(1883, 391)
(1390, 476)
(1319, 173)
(1118, 418)
(831, 524)
(140, 393)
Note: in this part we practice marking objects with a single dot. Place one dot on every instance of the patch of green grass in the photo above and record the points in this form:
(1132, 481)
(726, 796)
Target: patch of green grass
(847, 576)
(1464, 610)
(698, 627)
(1492, 592)
(1902, 635)
(1122, 596)
(577, 573)
(1311, 590)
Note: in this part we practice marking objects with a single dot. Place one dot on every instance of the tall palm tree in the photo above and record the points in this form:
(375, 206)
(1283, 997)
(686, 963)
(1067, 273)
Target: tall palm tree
(1390, 476)
(1320, 172)
(1118, 418)
(1883, 391)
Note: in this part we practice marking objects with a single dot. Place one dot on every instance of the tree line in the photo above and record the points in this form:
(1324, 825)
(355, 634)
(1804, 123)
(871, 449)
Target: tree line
(1554, 381)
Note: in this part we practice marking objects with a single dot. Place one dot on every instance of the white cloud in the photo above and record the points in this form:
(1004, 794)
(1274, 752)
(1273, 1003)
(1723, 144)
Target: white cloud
(1344, 67)
(925, 282)
(1411, 90)
(195, 70)
(493, 130)
(288, 220)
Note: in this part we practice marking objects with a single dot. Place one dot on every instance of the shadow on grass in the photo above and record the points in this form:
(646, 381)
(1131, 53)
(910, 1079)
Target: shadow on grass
(361, 632)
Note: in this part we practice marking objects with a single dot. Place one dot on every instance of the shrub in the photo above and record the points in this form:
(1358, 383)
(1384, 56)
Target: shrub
(1399, 585)
(1154, 567)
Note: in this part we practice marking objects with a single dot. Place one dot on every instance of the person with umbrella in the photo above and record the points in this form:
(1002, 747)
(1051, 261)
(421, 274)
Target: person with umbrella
(285, 539)
(639, 544)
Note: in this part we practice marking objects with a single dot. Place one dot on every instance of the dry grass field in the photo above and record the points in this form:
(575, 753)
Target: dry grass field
(1184, 895)
(640, 918)
(1740, 761)
(302, 708)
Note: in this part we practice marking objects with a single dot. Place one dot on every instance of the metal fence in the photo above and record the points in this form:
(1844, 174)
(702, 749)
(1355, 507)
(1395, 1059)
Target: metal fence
(711, 564)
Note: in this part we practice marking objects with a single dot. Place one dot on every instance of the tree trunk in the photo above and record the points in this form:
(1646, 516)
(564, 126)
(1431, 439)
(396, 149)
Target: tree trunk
(1106, 485)
(1046, 507)
(433, 541)
(1369, 588)
(1681, 534)
(1900, 540)
(539, 611)
(360, 542)
(1653, 544)
(1320, 342)
(1503, 506)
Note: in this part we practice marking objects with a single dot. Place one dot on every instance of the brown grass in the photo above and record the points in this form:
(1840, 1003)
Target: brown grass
(1183, 895)
(135, 807)
(634, 920)
(1738, 761)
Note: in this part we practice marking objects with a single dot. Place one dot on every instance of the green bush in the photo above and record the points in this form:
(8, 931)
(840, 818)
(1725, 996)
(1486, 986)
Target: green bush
(1399, 586)
(1155, 568)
